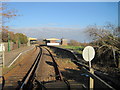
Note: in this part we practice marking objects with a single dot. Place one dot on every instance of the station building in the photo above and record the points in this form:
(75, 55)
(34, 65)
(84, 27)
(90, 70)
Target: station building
(31, 41)
(55, 41)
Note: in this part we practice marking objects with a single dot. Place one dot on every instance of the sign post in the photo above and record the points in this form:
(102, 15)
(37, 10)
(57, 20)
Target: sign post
(88, 55)
(2, 50)
(1, 65)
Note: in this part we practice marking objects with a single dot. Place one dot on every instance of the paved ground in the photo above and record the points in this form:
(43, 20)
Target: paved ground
(10, 56)
(16, 74)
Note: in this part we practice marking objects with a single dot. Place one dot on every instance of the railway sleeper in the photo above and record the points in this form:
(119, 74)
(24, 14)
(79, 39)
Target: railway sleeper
(62, 85)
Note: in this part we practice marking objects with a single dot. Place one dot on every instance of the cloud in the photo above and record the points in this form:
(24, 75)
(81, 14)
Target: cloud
(53, 32)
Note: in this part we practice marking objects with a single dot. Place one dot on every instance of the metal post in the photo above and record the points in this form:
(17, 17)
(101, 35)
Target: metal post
(8, 42)
(18, 43)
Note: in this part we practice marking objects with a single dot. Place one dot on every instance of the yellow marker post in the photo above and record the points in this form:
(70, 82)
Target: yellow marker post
(91, 80)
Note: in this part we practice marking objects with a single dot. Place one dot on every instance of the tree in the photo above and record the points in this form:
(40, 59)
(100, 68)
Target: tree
(74, 43)
(22, 38)
(4, 35)
(5, 15)
(107, 40)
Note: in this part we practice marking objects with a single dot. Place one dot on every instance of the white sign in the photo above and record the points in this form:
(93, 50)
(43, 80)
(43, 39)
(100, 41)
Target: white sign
(88, 53)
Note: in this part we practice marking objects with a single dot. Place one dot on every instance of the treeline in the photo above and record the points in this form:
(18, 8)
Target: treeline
(14, 37)
(76, 43)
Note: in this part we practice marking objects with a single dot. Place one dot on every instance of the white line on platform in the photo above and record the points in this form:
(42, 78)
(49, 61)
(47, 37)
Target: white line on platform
(15, 59)
(19, 56)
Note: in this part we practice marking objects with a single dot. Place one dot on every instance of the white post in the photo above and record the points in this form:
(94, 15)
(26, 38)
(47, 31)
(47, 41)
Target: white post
(3, 59)
(3, 50)
(1, 65)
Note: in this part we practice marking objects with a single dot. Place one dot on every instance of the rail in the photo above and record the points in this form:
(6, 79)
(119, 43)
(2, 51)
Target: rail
(58, 74)
(29, 79)
(30, 75)
(57, 71)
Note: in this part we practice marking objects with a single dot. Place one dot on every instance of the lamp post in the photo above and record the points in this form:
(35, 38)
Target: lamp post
(8, 42)
(18, 42)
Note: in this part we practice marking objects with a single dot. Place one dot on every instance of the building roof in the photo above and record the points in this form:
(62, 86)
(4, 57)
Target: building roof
(32, 38)
(52, 39)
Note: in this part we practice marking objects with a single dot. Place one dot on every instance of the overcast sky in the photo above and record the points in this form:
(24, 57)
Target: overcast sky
(61, 19)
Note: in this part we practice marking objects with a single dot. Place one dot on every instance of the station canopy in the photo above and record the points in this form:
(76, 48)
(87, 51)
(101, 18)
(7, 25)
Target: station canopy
(52, 39)
(32, 38)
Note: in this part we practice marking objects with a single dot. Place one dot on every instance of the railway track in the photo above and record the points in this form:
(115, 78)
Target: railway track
(32, 80)
(104, 81)
(53, 78)
(44, 74)
(26, 83)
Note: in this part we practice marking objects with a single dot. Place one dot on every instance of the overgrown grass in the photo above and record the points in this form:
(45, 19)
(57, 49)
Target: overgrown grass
(77, 49)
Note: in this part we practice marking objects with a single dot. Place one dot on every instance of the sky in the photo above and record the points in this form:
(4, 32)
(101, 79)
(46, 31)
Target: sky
(61, 19)
(61, 0)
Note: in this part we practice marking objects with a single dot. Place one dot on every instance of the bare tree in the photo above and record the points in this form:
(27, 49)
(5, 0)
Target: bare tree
(6, 14)
(107, 40)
